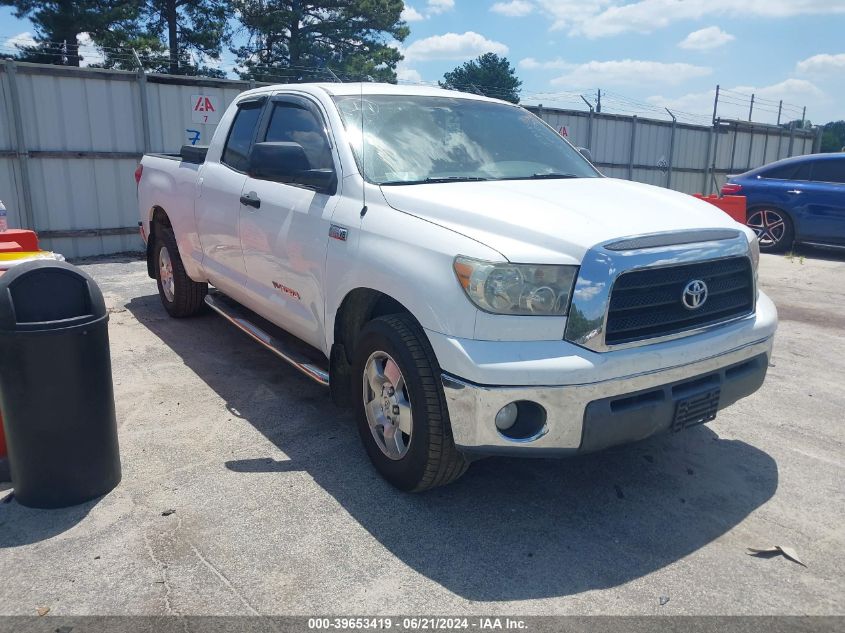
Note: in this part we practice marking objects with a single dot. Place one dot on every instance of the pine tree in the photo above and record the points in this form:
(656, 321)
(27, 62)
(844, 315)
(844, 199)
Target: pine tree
(296, 40)
(490, 75)
(188, 26)
(59, 24)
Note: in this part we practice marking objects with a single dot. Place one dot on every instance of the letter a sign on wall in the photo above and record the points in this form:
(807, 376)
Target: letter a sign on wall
(205, 109)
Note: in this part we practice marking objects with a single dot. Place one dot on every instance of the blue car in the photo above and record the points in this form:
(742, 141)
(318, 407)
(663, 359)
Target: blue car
(800, 199)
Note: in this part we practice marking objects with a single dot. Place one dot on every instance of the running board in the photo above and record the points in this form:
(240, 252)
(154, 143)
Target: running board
(278, 347)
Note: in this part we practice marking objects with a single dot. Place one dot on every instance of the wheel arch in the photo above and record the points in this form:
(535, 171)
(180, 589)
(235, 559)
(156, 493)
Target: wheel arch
(157, 217)
(357, 308)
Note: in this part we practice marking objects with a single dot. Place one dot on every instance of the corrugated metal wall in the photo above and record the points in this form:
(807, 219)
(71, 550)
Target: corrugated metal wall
(67, 170)
(679, 156)
(83, 133)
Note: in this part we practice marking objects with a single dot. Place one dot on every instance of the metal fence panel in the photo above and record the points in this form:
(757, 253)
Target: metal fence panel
(6, 139)
(9, 189)
(171, 113)
(79, 114)
(652, 143)
(85, 194)
(691, 147)
(687, 181)
(84, 129)
(612, 140)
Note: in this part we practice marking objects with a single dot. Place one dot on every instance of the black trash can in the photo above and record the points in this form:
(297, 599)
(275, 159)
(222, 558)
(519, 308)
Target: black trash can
(56, 390)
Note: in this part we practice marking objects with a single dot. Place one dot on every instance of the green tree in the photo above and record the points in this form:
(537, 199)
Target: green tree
(172, 36)
(490, 75)
(833, 137)
(59, 23)
(188, 26)
(295, 39)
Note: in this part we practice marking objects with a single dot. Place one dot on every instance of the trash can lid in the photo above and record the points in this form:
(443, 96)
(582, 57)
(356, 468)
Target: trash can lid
(48, 295)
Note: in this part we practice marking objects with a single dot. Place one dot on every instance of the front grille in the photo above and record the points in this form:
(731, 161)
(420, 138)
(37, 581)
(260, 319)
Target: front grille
(649, 303)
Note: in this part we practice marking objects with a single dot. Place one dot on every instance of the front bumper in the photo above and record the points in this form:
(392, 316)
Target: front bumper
(592, 416)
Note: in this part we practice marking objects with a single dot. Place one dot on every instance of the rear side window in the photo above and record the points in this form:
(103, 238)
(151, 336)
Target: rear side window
(830, 170)
(799, 171)
(292, 123)
(236, 151)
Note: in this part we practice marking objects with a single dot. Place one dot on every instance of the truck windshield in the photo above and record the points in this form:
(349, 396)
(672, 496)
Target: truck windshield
(420, 139)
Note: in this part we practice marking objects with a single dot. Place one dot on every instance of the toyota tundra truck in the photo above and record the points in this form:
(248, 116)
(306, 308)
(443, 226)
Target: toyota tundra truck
(457, 273)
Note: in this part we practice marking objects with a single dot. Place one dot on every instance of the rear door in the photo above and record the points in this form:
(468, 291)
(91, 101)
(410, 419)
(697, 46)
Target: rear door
(285, 237)
(218, 203)
(822, 202)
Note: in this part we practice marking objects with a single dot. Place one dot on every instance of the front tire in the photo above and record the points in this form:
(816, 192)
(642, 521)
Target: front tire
(180, 295)
(401, 410)
(773, 227)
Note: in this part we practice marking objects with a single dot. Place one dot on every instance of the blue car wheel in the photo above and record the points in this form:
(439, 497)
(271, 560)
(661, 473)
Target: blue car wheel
(773, 228)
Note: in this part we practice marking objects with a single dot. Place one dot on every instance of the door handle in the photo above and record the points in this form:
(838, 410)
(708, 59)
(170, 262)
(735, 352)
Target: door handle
(251, 200)
(795, 191)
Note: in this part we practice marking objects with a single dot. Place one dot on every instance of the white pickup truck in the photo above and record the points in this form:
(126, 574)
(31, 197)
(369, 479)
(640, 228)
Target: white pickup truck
(458, 273)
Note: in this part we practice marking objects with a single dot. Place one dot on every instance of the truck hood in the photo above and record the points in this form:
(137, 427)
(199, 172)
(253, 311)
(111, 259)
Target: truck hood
(554, 221)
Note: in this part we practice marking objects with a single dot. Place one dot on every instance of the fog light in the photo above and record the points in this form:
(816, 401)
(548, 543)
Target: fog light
(506, 417)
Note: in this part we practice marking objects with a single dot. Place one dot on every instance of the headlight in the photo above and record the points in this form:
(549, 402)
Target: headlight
(517, 289)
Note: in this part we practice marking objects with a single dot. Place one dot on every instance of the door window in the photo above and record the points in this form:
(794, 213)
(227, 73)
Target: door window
(800, 171)
(293, 123)
(830, 170)
(236, 151)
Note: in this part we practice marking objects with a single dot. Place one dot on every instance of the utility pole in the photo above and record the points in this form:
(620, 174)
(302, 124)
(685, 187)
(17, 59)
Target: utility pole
(598, 103)
(589, 124)
(751, 108)
(780, 108)
(803, 117)
(671, 149)
(715, 104)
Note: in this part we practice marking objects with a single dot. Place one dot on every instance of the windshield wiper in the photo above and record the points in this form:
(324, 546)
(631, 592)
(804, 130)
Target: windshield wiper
(543, 176)
(426, 181)
(550, 175)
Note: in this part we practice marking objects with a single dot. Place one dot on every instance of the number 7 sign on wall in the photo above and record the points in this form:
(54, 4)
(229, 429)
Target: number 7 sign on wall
(205, 109)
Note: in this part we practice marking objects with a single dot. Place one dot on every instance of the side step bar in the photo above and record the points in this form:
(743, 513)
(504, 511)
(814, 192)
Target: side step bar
(300, 362)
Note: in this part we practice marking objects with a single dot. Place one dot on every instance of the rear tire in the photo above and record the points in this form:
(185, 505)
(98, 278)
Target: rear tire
(773, 227)
(180, 295)
(401, 410)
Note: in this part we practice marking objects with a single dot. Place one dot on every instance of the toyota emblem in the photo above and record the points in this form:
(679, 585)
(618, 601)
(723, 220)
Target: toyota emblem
(695, 294)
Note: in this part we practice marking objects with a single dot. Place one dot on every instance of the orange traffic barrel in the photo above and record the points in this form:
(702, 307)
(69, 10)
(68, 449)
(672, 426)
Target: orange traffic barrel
(18, 241)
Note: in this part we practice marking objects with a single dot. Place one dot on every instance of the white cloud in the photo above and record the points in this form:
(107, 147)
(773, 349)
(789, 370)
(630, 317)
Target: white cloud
(529, 63)
(629, 72)
(440, 6)
(822, 64)
(410, 14)
(514, 8)
(602, 18)
(432, 7)
(453, 46)
(408, 75)
(20, 40)
(706, 38)
(88, 51)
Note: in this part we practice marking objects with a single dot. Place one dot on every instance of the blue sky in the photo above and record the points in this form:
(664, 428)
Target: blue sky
(643, 54)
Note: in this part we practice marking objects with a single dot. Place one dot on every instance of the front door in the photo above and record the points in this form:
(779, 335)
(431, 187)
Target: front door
(821, 202)
(218, 202)
(285, 230)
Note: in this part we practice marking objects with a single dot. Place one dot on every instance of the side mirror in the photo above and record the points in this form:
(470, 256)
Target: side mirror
(287, 163)
(586, 153)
